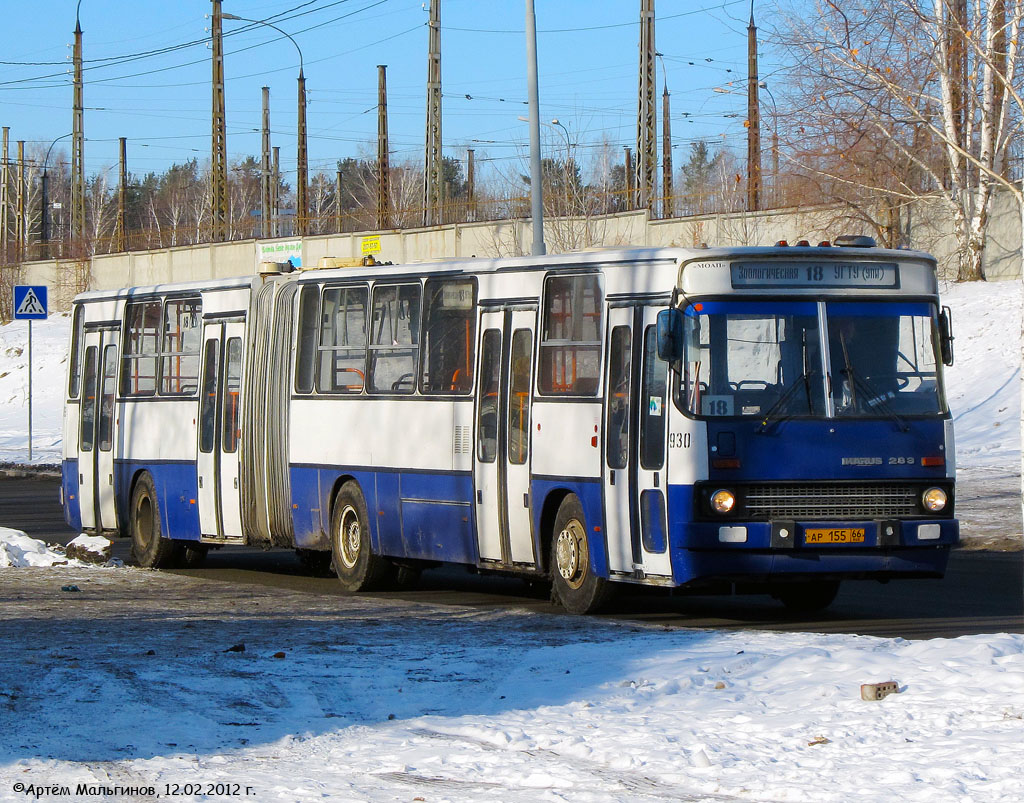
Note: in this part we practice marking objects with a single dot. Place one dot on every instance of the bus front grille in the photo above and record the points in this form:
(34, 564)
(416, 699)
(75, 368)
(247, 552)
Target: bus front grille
(825, 500)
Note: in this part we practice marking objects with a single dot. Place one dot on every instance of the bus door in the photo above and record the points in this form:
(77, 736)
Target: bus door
(97, 431)
(502, 461)
(219, 430)
(636, 413)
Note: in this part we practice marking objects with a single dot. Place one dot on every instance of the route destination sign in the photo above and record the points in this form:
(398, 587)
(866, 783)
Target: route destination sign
(814, 274)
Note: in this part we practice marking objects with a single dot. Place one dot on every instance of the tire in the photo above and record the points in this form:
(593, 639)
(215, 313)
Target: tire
(358, 569)
(150, 549)
(574, 585)
(807, 597)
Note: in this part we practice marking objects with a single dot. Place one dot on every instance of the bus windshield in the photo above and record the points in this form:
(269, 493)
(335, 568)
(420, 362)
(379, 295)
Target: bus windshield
(771, 359)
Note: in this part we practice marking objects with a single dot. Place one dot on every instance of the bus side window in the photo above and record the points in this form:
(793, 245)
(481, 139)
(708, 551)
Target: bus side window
(394, 338)
(342, 340)
(75, 369)
(570, 349)
(309, 310)
(88, 401)
(232, 387)
(449, 331)
(179, 362)
(619, 370)
(487, 406)
(141, 342)
(519, 397)
(106, 409)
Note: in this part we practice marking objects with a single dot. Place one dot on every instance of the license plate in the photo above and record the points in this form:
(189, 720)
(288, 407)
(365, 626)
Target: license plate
(840, 535)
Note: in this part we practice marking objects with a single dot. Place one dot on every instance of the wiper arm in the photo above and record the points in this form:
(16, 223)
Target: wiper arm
(804, 379)
(875, 399)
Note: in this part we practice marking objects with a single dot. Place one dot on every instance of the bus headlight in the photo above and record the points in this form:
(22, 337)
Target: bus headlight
(723, 501)
(934, 499)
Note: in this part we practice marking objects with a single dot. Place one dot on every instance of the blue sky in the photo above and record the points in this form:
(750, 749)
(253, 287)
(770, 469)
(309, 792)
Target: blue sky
(161, 101)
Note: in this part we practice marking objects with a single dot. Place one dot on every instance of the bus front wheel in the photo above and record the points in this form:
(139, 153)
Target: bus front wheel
(357, 567)
(573, 583)
(150, 549)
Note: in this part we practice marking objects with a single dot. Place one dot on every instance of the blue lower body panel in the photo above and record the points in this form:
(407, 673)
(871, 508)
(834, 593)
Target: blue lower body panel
(69, 488)
(177, 486)
(415, 515)
(589, 494)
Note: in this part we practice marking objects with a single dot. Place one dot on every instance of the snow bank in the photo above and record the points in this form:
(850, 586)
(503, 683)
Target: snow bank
(983, 386)
(18, 551)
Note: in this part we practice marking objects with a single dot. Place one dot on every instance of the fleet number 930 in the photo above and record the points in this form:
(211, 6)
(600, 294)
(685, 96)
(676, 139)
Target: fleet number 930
(679, 440)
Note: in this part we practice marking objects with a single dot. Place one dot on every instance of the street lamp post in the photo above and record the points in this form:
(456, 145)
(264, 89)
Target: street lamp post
(568, 162)
(775, 143)
(44, 215)
(301, 182)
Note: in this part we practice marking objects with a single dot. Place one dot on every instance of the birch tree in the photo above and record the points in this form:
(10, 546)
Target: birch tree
(913, 74)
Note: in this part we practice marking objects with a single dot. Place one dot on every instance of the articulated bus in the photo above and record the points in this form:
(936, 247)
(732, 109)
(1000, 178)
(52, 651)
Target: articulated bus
(715, 420)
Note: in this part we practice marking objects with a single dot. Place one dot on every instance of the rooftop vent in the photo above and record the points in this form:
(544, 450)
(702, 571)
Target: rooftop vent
(855, 241)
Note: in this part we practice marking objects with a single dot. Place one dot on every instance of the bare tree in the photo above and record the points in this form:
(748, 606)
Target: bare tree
(927, 92)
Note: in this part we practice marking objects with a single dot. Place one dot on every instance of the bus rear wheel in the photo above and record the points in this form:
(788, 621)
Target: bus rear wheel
(574, 585)
(150, 549)
(357, 567)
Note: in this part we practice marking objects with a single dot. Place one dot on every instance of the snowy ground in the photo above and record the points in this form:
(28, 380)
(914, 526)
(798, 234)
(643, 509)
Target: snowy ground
(130, 681)
(124, 680)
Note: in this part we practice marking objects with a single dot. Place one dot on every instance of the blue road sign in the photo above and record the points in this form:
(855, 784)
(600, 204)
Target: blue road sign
(30, 302)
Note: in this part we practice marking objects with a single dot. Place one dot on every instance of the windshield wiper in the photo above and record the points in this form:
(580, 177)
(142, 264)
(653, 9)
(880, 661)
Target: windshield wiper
(874, 398)
(804, 379)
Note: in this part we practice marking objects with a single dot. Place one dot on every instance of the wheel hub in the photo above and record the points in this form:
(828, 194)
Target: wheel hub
(567, 554)
(350, 537)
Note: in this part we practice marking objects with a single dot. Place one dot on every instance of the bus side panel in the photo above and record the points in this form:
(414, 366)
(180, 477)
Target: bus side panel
(386, 512)
(176, 489)
(310, 527)
(589, 493)
(69, 486)
(437, 516)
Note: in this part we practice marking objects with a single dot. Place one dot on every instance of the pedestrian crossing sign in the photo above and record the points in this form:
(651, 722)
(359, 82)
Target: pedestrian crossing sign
(30, 302)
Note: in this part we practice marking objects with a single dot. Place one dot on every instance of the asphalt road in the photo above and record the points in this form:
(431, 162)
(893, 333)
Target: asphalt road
(982, 592)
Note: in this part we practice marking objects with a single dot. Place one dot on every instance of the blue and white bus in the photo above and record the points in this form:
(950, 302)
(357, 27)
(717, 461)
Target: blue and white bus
(749, 420)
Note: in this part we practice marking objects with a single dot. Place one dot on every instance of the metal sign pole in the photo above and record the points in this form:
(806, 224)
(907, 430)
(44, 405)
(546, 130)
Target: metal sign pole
(30, 390)
(30, 303)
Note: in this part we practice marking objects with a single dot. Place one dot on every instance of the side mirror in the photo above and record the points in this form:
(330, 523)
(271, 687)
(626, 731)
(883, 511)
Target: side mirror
(945, 336)
(670, 334)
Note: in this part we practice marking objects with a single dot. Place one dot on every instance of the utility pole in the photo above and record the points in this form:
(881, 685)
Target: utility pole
(753, 120)
(275, 191)
(536, 174)
(5, 195)
(337, 200)
(470, 184)
(302, 170)
(667, 202)
(383, 166)
(122, 199)
(78, 149)
(20, 234)
(646, 125)
(266, 194)
(433, 165)
(628, 155)
(219, 142)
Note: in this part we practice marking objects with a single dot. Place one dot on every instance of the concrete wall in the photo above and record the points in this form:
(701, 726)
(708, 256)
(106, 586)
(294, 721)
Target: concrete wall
(928, 229)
